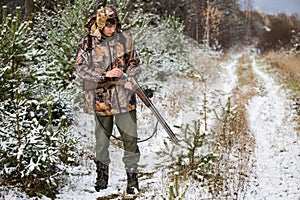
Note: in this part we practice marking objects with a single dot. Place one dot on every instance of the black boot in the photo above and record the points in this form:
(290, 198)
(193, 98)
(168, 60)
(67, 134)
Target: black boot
(132, 180)
(102, 176)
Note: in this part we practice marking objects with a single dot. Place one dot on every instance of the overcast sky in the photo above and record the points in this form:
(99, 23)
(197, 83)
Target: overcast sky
(276, 6)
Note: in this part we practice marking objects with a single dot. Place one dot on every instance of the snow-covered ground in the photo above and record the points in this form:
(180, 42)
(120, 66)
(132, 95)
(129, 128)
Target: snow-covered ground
(154, 180)
(277, 152)
(277, 161)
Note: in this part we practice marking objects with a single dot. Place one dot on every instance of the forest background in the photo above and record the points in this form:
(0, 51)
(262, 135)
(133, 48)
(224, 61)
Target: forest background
(39, 88)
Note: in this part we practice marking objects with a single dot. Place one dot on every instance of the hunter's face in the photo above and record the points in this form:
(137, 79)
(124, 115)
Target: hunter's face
(109, 30)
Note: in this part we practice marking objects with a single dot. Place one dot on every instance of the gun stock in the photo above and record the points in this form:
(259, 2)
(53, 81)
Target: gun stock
(90, 85)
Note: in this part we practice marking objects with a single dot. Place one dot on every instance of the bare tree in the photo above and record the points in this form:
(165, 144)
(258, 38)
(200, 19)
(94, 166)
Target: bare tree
(248, 7)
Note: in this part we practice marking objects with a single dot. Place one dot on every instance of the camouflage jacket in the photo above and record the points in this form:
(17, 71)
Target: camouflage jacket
(91, 65)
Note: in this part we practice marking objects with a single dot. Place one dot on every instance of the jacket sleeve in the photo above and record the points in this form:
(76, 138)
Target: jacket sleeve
(84, 66)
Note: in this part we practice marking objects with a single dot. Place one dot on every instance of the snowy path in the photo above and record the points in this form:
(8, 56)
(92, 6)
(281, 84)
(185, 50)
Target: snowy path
(277, 174)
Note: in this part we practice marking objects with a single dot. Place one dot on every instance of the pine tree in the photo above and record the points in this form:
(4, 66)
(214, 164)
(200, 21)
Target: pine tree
(34, 135)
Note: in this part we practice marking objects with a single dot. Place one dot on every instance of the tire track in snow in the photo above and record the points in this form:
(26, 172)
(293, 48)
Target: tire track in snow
(277, 146)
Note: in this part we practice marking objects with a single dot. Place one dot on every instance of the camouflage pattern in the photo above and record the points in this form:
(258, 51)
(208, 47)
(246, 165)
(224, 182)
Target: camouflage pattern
(103, 15)
(116, 51)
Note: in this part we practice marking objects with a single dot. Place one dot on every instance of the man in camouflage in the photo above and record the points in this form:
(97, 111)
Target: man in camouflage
(106, 55)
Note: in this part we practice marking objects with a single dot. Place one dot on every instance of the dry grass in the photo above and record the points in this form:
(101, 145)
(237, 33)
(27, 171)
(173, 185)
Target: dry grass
(236, 143)
(289, 63)
(288, 66)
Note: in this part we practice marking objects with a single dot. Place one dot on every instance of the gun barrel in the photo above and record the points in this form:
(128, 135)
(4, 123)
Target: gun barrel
(139, 91)
(164, 124)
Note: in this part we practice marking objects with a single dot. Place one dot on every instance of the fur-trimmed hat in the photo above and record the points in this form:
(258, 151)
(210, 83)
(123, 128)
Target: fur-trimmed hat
(97, 21)
(103, 15)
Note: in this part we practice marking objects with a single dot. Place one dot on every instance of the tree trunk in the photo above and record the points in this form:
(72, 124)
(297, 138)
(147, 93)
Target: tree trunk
(28, 9)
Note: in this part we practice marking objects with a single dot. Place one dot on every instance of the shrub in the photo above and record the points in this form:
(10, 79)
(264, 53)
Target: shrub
(35, 138)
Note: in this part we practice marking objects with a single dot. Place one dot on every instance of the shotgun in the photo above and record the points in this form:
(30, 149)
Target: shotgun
(141, 94)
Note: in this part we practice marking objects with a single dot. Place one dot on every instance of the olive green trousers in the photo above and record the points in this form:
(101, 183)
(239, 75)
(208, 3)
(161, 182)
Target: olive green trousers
(126, 124)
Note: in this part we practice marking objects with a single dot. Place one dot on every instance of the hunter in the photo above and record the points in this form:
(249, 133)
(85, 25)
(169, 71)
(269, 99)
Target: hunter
(104, 55)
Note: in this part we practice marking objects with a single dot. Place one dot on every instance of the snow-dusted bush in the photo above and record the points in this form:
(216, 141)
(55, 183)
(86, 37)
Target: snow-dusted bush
(34, 114)
(60, 32)
(17, 52)
(31, 150)
(194, 158)
(162, 50)
(175, 191)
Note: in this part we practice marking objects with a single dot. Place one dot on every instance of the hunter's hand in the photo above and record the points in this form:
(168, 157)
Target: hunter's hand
(116, 72)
